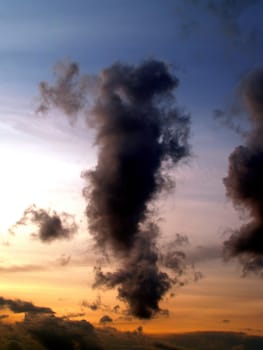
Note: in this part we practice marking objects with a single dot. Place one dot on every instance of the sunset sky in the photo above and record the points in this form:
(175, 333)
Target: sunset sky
(209, 46)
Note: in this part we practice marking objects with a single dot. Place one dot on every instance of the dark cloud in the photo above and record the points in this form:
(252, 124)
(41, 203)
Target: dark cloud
(20, 306)
(73, 315)
(172, 256)
(140, 134)
(212, 341)
(140, 281)
(68, 93)
(139, 330)
(55, 333)
(51, 226)
(98, 305)
(4, 316)
(244, 181)
(251, 89)
(226, 321)
(94, 306)
(52, 333)
(105, 319)
(116, 309)
(139, 131)
(177, 257)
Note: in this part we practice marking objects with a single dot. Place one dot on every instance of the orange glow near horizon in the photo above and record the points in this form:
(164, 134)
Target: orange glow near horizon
(191, 309)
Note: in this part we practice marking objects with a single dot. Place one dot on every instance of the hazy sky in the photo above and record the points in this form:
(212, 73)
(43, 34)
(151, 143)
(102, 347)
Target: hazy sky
(209, 46)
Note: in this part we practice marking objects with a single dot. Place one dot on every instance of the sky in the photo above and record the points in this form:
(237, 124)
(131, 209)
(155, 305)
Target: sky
(209, 46)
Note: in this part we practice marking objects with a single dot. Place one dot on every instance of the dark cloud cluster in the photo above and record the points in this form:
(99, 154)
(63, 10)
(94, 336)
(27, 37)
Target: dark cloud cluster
(98, 305)
(95, 305)
(147, 274)
(20, 306)
(105, 319)
(244, 181)
(139, 280)
(50, 225)
(140, 134)
(73, 315)
(56, 333)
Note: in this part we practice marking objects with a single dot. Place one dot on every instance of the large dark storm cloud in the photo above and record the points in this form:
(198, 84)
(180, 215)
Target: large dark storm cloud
(50, 225)
(244, 183)
(140, 134)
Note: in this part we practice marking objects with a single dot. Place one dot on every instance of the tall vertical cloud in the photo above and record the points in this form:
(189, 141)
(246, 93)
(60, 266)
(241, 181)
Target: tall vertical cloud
(244, 183)
(138, 131)
(140, 134)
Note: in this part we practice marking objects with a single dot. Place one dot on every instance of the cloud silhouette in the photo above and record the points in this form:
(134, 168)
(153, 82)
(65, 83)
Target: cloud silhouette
(51, 225)
(244, 181)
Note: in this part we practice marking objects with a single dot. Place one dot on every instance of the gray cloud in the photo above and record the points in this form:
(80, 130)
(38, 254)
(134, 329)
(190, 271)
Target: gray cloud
(73, 315)
(56, 333)
(244, 181)
(68, 93)
(20, 306)
(139, 132)
(105, 319)
(95, 305)
(51, 226)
